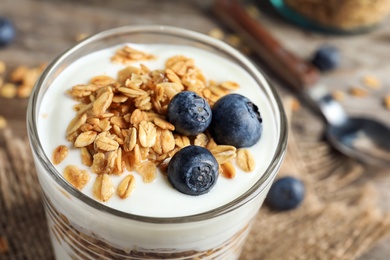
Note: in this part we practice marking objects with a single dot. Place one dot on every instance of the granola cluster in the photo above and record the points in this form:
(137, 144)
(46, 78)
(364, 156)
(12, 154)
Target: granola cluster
(121, 124)
(343, 14)
(20, 80)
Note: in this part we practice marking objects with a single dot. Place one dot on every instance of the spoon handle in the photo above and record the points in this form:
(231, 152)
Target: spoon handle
(298, 73)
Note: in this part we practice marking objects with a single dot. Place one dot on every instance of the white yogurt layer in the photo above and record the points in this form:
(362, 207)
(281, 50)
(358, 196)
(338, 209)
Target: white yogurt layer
(157, 199)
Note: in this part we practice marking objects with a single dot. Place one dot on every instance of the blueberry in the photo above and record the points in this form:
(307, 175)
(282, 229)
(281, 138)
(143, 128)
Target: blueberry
(189, 113)
(285, 194)
(7, 32)
(236, 121)
(326, 58)
(193, 170)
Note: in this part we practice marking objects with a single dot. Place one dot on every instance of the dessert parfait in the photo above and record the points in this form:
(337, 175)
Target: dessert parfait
(153, 143)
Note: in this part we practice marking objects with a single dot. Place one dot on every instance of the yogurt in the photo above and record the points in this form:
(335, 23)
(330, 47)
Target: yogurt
(159, 198)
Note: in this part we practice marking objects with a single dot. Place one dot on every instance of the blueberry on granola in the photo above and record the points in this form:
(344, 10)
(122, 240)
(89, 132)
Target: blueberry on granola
(285, 194)
(189, 113)
(193, 170)
(7, 31)
(236, 121)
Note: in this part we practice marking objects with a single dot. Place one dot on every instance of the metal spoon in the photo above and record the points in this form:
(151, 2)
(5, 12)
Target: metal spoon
(361, 138)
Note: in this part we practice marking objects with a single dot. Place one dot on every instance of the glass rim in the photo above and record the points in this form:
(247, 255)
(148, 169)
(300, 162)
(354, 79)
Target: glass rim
(256, 189)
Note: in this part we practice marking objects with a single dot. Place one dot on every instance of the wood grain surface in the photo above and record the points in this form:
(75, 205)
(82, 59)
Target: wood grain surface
(46, 28)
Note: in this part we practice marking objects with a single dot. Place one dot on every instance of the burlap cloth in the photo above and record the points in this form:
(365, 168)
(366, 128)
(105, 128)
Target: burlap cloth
(339, 218)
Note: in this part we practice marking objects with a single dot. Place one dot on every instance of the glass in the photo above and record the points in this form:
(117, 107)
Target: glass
(341, 16)
(82, 228)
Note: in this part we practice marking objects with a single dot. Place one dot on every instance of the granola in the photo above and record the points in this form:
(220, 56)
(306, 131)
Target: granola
(3, 122)
(60, 154)
(120, 123)
(342, 14)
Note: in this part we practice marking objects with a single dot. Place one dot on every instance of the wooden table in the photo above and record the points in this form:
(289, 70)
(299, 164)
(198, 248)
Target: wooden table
(45, 28)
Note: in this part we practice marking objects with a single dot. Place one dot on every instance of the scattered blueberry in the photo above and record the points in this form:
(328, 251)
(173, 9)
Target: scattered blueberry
(236, 121)
(285, 194)
(7, 32)
(193, 170)
(189, 113)
(326, 58)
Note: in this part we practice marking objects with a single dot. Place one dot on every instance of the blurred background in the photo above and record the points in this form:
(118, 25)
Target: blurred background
(344, 214)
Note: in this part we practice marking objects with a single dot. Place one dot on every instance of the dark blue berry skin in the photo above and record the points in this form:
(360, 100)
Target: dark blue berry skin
(236, 121)
(285, 194)
(7, 32)
(326, 58)
(193, 170)
(189, 113)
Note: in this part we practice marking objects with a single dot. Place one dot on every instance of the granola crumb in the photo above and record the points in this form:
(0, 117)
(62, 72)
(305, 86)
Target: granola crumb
(60, 154)
(217, 33)
(18, 74)
(81, 36)
(128, 55)
(3, 122)
(78, 178)
(371, 82)
(295, 105)
(245, 160)
(358, 92)
(233, 40)
(386, 101)
(338, 95)
(4, 247)
(8, 90)
(2, 67)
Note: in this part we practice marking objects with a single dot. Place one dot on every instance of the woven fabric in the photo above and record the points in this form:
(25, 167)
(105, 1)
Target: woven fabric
(338, 219)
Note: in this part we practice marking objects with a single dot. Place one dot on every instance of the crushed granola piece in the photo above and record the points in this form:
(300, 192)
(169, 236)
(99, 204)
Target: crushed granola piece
(252, 11)
(358, 92)
(217, 33)
(371, 82)
(59, 154)
(78, 178)
(86, 157)
(295, 105)
(227, 170)
(163, 124)
(245, 160)
(17, 75)
(81, 36)
(230, 85)
(233, 40)
(3, 67)
(103, 142)
(338, 95)
(179, 64)
(103, 188)
(224, 153)
(148, 171)
(126, 186)
(8, 90)
(386, 101)
(201, 140)
(128, 55)
(181, 141)
(147, 133)
(85, 138)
